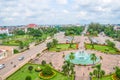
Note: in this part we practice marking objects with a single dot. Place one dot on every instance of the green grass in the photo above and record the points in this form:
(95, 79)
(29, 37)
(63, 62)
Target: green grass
(14, 40)
(23, 72)
(63, 47)
(108, 77)
(103, 48)
(26, 39)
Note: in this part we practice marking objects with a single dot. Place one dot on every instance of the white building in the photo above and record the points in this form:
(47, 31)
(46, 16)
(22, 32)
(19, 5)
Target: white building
(116, 28)
(4, 31)
(3, 54)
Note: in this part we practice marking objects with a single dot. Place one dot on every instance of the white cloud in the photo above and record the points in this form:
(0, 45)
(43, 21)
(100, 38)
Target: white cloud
(65, 11)
(58, 11)
(62, 1)
(102, 9)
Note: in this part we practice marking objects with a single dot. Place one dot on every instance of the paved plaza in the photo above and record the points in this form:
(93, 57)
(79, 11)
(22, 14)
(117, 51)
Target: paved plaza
(82, 72)
(56, 58)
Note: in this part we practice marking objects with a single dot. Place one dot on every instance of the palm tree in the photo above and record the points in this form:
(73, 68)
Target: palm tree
(71, 56)
(97, 72)
(71, 41)
(93, 57)
(68, 68)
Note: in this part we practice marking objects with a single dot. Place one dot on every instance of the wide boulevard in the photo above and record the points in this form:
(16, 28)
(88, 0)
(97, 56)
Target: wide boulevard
(12, 63)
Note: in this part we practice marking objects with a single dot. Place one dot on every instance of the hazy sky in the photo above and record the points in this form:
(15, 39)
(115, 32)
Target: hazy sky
(15, 12)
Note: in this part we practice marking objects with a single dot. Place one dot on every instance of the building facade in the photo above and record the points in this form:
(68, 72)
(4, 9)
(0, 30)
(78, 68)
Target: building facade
(3, 54)
(4, 31)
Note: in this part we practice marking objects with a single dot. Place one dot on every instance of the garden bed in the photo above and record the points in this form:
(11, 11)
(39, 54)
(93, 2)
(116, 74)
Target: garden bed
(23, 72)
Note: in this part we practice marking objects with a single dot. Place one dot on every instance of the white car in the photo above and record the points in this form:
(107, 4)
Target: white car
(21, 58)
(2, 66)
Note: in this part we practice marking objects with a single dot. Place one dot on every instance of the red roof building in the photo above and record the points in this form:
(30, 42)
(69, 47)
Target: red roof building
(31, 26)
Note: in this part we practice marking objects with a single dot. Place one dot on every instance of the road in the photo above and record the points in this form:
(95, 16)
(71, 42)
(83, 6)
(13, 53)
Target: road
(16, 64)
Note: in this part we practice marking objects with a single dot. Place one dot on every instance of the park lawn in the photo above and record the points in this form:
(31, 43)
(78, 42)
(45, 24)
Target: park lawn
(14, 40)
(26, 39)
(102, 48)
(23, 72)
(63, 47)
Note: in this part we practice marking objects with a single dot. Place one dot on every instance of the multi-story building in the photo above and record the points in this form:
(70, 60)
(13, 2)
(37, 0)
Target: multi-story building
(3, 54)
(4, 31)
(116, 28)
(7, 51)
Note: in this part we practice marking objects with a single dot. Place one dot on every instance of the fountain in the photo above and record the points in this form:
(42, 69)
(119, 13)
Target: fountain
(81, 57)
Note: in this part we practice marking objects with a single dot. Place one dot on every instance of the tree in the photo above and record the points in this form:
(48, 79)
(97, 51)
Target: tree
(19, 32)
(47, 71)
(15, 51)
(30, 68)
(28, 78)
(95, 28)
(55, 42)
(49, 45)
(97, 72)
(71, 43)
(71, 56)
(51, 34)
(110, 44)
(68, 68)
(91, 74)
(21, 45)
(3, 35)
(117, 72)
(34, 32)
(43, 62)
(93, 57)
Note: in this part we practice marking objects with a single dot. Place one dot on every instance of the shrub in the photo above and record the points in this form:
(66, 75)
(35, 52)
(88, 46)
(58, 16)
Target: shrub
(38, 69)
(43, 62)
(117, 72)
(30, 68)
(28, 78)
(47, 77)
(47, 71)
(50, 63)
(15, 51)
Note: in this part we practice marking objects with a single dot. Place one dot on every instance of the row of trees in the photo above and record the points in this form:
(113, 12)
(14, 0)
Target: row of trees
(36, 34)
(73, 30)
(96, 28)
(109, 31)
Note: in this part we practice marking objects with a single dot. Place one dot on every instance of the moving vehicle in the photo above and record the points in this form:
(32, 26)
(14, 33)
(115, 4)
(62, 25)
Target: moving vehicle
(21, 58)
(2, 66)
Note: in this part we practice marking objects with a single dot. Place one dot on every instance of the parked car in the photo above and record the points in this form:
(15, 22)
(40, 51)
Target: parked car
(21, 58)
(2, 66)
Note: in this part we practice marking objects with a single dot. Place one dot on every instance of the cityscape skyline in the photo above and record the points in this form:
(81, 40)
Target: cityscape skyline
(21, 12)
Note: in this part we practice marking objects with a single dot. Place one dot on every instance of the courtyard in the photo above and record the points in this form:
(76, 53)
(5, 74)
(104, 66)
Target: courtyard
(82, 72)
